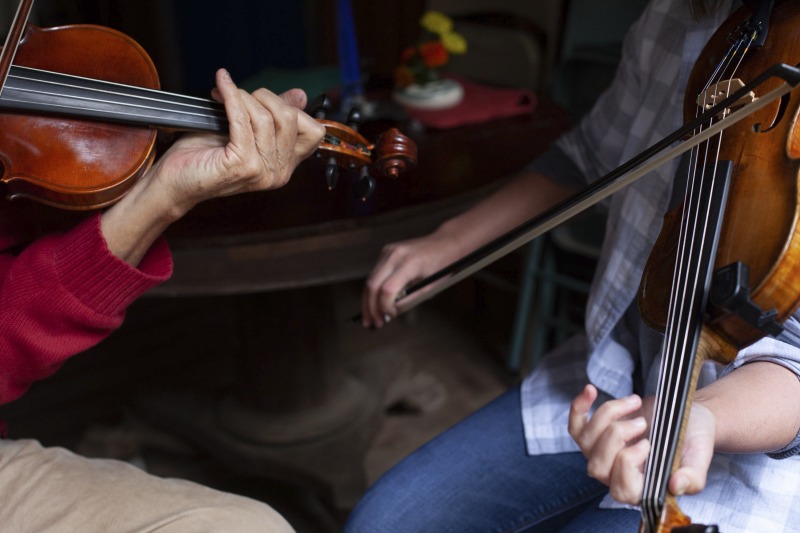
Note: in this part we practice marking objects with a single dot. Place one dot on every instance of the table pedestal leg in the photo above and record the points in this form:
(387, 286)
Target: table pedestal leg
(294, 413)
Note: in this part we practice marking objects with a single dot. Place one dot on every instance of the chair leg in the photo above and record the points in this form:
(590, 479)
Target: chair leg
(525, 298)
(546, 307)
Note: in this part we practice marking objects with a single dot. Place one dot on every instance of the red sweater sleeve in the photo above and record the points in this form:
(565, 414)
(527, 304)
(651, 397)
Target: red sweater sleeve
(62, 295)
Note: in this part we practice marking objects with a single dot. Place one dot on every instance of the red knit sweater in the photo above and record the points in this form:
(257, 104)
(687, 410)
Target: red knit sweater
(62, 295)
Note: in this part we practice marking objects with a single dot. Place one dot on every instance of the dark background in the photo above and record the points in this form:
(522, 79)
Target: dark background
(189, 39)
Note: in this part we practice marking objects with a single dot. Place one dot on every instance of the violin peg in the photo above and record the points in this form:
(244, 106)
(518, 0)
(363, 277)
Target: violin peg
(331, 173)
(347, 149)
(354, 118)
(365, 188)
(320, 106)
(365, 185)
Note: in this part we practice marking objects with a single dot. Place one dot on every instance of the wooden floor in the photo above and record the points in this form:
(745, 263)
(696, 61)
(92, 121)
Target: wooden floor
(430, 369)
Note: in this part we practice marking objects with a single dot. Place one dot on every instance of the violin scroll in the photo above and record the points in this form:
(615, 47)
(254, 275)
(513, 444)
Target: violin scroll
(343, 147)
(395, 153)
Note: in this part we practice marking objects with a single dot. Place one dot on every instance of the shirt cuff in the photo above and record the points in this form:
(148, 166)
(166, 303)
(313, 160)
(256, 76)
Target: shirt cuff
(99, 279)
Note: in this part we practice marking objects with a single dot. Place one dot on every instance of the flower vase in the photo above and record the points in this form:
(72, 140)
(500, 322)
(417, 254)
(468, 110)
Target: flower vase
(437, 94)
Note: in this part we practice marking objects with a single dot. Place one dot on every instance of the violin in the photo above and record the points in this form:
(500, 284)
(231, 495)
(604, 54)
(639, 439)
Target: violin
(81, 107)
(723, 272)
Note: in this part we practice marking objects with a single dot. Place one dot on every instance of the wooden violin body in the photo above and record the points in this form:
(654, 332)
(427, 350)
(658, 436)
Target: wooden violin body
(71, 162)
(760, 227)
(81, 109)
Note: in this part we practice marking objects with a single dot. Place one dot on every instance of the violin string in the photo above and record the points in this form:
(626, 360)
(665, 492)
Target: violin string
(129, 104)
(700, 229)
(658, 440)
(681, 355)
(697, 232)
(129, 101)
(117, 89)
(676, 345)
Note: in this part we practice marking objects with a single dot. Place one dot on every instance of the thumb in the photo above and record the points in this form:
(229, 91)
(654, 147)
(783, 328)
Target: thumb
(696, 458)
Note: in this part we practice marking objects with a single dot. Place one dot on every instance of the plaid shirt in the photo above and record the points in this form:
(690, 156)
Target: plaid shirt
(745, 492)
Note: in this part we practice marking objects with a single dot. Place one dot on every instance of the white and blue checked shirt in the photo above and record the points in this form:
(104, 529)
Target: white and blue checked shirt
(754, 493)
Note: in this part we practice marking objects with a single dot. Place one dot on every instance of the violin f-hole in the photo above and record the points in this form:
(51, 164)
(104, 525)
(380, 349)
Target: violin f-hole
(782, 106)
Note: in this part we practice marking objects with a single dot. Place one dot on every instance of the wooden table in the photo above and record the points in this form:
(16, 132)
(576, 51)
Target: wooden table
(281, 252)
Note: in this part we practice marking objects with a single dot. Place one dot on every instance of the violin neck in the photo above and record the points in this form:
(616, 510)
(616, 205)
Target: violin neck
(50, 93)
(680, 365)
(660, 511)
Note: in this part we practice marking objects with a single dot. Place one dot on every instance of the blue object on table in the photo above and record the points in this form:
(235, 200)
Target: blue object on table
(348, 53)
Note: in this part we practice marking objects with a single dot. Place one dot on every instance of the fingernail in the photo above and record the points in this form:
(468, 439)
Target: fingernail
(387, 318)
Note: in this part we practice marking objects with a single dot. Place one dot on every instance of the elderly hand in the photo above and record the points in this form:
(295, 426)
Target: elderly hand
(268, 136)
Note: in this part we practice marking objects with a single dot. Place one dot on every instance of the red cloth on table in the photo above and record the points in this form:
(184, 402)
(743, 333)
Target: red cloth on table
(481, 103)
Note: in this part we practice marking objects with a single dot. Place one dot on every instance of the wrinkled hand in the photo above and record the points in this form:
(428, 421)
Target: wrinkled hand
(613, 441)
(268, 136)
(399, 265)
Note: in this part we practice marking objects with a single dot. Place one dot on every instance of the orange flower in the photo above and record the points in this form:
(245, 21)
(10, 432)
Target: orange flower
(434, 54)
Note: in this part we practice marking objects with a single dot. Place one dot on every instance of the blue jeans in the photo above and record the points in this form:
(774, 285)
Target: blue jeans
(477, 477)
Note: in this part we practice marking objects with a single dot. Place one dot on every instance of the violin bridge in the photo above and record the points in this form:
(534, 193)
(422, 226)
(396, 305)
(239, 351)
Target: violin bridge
(719, 91)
